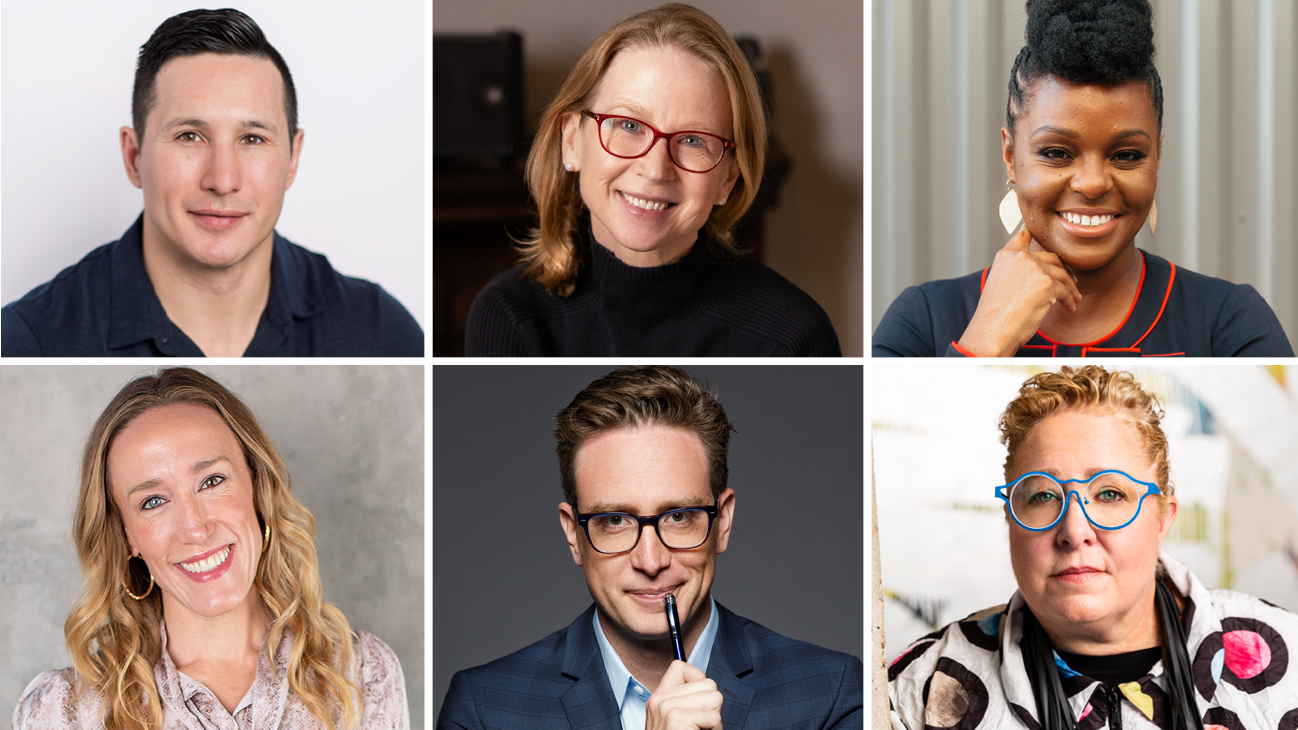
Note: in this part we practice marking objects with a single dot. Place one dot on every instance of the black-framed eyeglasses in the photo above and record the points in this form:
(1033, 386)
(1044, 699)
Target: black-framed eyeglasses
(618, 532)
(629, 138)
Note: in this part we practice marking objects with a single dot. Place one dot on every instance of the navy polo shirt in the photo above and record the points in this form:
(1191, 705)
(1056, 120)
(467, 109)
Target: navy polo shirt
(105, 306)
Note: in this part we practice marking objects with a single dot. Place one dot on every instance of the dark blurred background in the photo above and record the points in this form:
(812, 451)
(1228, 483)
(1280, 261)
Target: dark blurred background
(496, 66)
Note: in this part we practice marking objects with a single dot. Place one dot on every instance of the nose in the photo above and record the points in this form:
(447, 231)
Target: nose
(194, 525)
(650, 556)
(221, 173)
(1074, 529)
(1091, 177)
(656, 164)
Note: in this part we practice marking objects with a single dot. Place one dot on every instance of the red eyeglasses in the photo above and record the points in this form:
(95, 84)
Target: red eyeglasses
(629, 138)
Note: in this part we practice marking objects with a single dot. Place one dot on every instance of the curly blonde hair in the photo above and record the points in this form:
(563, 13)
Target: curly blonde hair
(114, 640)
(551, 252)
(1088, 388)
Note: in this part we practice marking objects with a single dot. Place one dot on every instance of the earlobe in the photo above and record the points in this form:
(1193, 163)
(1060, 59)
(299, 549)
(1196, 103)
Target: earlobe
(131, 155)
(725, 519)
(1007, 152)
(569, 150)
(568, 522)
(293, 158)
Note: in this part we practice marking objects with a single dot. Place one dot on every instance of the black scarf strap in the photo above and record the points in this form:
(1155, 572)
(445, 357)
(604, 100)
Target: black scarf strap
(1053, 711)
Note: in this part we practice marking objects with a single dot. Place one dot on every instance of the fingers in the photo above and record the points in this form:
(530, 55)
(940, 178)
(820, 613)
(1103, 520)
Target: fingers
(684, 700)
(1020, 241)
(679, 673)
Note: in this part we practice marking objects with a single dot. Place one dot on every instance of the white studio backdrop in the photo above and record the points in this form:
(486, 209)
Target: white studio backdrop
(943, 537)
(359, 198)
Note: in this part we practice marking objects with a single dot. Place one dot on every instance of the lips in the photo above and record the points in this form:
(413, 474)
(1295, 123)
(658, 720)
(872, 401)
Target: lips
(653, 594)
(1078, 575)
(646, 203)
(217, 220)
(207, 566)
(1088, 223)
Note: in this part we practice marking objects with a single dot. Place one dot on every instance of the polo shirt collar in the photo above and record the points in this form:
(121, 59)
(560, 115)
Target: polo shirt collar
(137, 315)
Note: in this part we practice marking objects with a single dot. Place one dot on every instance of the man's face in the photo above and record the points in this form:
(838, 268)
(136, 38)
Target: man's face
(646, 471)
(215, 159)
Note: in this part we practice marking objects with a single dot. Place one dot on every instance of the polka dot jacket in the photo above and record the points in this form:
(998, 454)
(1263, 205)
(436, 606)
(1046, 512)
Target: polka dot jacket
(970, 674)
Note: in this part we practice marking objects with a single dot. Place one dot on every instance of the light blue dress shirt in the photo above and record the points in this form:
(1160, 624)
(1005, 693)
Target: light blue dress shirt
(632, 696)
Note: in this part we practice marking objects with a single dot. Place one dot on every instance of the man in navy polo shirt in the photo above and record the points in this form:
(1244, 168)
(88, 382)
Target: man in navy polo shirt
(214, 147)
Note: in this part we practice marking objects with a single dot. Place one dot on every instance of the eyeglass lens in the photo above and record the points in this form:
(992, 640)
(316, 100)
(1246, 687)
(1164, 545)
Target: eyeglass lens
(1109, 500)
(679, 529)
(626, 137)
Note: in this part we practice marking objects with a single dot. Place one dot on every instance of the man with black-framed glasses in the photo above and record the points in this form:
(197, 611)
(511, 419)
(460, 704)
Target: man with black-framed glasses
(642, 456)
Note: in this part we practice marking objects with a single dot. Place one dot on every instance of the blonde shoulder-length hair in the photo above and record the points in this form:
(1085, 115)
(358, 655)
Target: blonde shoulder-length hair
(551, 252)
(114, 639)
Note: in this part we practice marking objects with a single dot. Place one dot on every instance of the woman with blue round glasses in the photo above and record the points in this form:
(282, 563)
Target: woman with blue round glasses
(1104, 630)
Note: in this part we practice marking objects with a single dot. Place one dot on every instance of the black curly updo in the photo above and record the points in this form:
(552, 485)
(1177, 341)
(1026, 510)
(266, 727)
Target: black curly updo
(1086, 42)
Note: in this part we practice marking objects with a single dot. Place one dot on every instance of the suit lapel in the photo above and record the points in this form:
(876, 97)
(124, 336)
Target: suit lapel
(589, 703)
(730, 661)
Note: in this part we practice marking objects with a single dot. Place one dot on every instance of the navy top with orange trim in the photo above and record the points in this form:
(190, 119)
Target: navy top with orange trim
(1175, 313)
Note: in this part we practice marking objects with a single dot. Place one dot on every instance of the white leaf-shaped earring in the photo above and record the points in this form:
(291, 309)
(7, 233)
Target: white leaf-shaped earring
(1153, 217)
(1011, 216)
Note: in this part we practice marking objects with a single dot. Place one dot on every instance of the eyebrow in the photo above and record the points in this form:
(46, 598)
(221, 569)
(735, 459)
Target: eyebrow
(677, 504)
(198, 466)
(193, 122)
(639, 112)
(1061, 131)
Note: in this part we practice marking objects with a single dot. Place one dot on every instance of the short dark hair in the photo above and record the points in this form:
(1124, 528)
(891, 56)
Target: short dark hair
(635, 397)
(1086, 42)
(226, 32)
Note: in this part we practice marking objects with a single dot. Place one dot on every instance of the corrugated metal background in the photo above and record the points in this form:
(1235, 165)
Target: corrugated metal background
(1227, 189)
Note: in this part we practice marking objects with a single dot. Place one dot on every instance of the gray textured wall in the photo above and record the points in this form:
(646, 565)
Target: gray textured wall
(353, 440)
(1227, 186)
(814, 51)
(795, 560)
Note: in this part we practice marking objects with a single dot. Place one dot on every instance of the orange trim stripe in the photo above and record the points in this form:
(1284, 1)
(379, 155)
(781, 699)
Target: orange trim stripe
(1118, 329)
(961, 350)
(1170, 354)
(1171, 278)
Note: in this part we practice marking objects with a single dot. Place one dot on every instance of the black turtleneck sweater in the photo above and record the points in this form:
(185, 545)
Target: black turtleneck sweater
(707, 304)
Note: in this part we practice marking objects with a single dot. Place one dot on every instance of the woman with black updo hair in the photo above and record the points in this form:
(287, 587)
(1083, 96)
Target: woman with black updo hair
(1082, 147)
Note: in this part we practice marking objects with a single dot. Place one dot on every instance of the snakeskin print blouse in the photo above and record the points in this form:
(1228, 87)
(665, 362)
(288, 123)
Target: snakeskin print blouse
(53, 701)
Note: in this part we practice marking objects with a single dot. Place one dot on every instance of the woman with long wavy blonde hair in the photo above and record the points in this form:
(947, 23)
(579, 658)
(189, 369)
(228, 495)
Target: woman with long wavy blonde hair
(634, 252)
(201, 601)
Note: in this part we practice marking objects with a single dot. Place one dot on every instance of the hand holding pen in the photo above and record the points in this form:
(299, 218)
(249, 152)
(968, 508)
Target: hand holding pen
(685, 698)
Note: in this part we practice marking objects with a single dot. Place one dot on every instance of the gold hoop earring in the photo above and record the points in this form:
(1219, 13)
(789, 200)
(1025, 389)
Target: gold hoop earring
(126, 583)
(265, 542)
(1153, 216)
(1011, 216)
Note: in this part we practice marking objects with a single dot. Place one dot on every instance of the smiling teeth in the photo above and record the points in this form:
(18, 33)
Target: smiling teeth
(646, 204)
(1087, 220)
(207, 563)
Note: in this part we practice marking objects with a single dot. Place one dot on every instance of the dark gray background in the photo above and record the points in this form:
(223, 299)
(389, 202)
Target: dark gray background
(502, 574)
(352, 437)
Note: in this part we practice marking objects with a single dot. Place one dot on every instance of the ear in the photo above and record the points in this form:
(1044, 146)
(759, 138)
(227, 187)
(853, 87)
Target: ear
(131, 155)
(1007, 151)
(725, 519)
(732, 176)
(570, 146)
(1166, 519)
(292, 162)
(568, 521)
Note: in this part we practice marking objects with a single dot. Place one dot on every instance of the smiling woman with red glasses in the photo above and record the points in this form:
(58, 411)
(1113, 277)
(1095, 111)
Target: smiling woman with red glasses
(642, 165)
(1082, 146)
(1105, 629)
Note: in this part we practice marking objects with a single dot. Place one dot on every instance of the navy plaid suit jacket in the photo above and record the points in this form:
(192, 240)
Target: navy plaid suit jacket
(769, 682)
